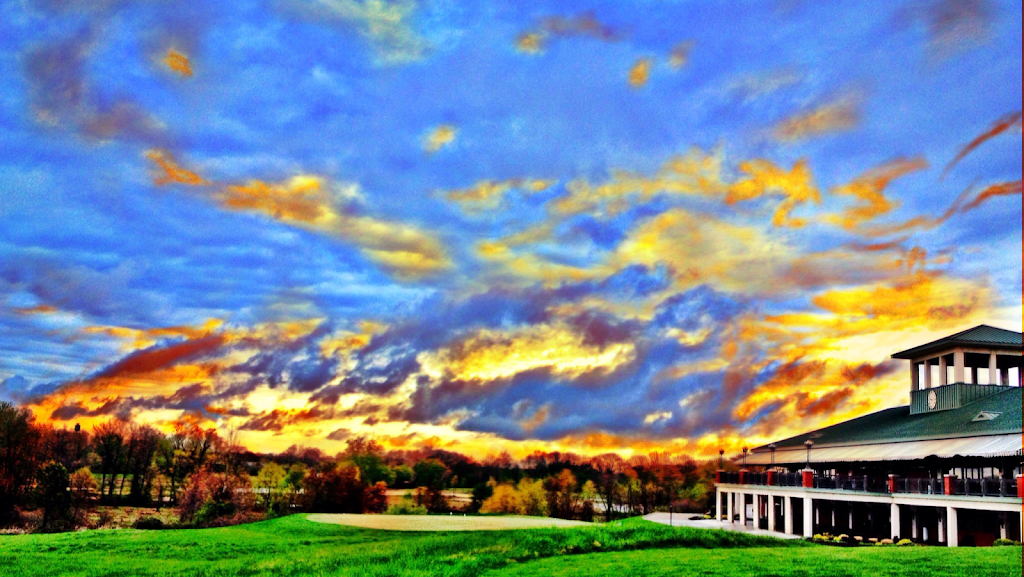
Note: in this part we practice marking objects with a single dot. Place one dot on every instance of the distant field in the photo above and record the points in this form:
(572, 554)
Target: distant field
(294, 546)
(441, 522)
(819, 561)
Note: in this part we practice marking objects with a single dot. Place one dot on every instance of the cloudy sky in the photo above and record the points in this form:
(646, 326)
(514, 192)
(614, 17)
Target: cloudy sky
(653, 225)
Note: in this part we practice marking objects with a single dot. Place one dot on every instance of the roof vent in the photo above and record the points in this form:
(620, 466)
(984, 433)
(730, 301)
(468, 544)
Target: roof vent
(985, 416)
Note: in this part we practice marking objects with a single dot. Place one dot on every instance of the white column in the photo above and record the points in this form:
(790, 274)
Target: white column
(913, 523)
(942, 527)
(993, 369)
(942, 371)
(718, 504)
(894, 520)
(808, 517)
(1003, 521)
(732, 499)
(743, 508)
(771, 513)
(914, 381)
(928, 374)
(952, 534)
(757, 511)
(787, 515)
(958, 366)
(851, 518)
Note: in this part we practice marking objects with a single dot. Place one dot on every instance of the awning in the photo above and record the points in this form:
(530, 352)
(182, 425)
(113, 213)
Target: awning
(986, 446)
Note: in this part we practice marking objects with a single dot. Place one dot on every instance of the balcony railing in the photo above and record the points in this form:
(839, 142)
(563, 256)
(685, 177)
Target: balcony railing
(988, 487)
(919, 486)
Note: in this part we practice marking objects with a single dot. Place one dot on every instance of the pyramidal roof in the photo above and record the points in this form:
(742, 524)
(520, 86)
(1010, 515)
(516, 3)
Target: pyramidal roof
(983, 335)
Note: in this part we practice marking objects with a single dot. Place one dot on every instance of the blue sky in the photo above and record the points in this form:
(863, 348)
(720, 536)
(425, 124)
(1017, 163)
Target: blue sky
(588, 226)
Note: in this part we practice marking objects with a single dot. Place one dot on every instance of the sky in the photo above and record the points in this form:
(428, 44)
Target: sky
(500, 226)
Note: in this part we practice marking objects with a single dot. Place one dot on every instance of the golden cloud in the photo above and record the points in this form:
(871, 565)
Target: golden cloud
(640, 73)
(796, 186)
(487, 194)
(439, 137)
(490, 355)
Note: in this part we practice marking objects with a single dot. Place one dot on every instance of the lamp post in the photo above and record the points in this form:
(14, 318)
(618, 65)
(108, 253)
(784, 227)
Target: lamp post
(721, 453)
(744, 457)
(808, 443)
(772, 447)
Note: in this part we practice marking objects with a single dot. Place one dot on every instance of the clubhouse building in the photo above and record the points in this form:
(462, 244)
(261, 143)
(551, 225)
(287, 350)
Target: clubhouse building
(945, 469)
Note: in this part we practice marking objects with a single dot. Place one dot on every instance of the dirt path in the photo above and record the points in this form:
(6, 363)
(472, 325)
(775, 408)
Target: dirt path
(440, 522)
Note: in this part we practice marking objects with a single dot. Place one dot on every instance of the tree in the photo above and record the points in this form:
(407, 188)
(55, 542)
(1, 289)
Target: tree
(504, 500)
(82, 484)
(108, 443)
(532, 498)
(18, 447)
(54, 496)
(338, 490)
(481, 493)
(269, 482)
(430, 475)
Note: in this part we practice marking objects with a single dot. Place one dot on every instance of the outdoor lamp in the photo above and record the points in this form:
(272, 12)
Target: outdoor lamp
(721, 453)
(808, 443)
(744, 457)
(772, 447)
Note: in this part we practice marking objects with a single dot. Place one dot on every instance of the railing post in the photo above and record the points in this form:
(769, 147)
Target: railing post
(808, 478)
(892, 483)
(1020, 486)
(770, 478)
(948, 484)
(718, 476)
(743, 476)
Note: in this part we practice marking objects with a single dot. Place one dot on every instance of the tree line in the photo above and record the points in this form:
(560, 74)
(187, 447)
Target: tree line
(210, 479)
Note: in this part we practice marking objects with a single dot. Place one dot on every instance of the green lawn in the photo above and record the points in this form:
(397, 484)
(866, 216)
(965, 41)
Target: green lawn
(295, 546)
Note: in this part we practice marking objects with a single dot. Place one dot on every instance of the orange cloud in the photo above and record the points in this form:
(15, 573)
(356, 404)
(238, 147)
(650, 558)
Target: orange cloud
(869, 187)
(178, 62)
(640, 72)
(796, 186)
(1001, 189)
(1000, 126)
(171, 171)
(36, 310)
(835, 116)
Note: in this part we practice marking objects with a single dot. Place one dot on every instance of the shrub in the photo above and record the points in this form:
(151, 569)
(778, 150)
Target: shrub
(406, 507)
(1006, 543)
(148, 523)
(905, 543)
(212, 495)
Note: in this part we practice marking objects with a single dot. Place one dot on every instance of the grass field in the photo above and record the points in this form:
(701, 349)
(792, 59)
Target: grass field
(441, 522)
(297, 546)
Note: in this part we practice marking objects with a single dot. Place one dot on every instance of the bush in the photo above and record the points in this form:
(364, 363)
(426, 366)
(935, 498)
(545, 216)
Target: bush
(150, 523)
(1006, 543)
(211, 511)
(905, 543)
(406, 507)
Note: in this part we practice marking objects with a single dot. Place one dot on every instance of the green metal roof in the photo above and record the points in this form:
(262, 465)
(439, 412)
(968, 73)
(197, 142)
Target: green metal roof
(981, 335)
(898, 425)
